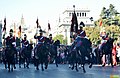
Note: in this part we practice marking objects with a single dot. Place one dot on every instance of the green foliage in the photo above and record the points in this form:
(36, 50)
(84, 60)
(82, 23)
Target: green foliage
(110, 20)
(61, 38)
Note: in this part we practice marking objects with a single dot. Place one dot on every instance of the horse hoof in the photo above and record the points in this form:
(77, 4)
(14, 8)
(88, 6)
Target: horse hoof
(37, 68)
(19, 66)
(112, 66)
(14, 67)
(77, 70)
(90, 66)
(46, 67)
(84, 71)
(72, 68)
(42, 69)
(28, 67)
(103, 65)
(56, 65)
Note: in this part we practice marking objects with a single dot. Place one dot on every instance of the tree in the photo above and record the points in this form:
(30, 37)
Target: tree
(61, 38)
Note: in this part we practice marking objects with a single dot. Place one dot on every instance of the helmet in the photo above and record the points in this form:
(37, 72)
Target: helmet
(40, 31)
(25, 35)
(50, 35)
(11, 30)
(81, 24)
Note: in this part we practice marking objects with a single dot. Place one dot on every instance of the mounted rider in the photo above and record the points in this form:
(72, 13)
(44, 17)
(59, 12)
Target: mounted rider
(104, 36)
(40, 38)
(50, 39)
(79, 35)
(24, 41)
(10, 40)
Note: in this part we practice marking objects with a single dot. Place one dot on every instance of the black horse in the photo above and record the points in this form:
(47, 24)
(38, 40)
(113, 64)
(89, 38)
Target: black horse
(106, 49)
(80, 49)
(41, 55)
(25, 56)
(56, 45)
(9, 57)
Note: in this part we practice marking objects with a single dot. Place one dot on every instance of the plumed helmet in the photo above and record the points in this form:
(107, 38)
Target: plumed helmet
(40, 31)
(81, 24)
(50, 35)
(25, 35)
(11, 30)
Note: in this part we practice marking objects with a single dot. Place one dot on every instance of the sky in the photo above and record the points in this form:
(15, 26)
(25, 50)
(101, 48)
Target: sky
(48, 10)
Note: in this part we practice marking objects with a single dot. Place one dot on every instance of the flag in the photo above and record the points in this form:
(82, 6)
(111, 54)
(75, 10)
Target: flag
(37, 23)
(20, 28)
(74, 24)
(100, 24)
(49, 28)
(19, 32)
(4, 28)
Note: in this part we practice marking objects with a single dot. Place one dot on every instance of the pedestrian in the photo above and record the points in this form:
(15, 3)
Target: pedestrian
(114, 53)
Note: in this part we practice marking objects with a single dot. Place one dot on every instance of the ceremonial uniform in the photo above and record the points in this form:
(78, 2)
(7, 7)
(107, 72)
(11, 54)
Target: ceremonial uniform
(81, 33)
(24, 43)
(41, 39)
(10, 41)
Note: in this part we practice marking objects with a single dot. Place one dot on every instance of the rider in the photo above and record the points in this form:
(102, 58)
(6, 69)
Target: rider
(11, 43)
(50, 39)
(104, 39)
(40, 38)
(10, 40)
(24, 41)
(81, 32)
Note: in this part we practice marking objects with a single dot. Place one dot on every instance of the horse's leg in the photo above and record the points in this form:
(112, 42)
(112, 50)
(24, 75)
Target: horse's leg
(37, 64)
(90, 60)
(20, 61)
(14, 63)
(24, 61)
(103, 60)
(8, 66)
(56, 60)
(5, 62)
(76, 66)
(84, 68)
(27, 61)
(111, 60)
(83, 62)
(73, 64)
(46, 63)
(42, 66)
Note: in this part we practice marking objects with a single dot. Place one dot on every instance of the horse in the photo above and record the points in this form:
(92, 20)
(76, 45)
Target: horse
(106, 49)
(25, 56)
(80, 49)
(9, 58)
(56, 44)
(41, 55)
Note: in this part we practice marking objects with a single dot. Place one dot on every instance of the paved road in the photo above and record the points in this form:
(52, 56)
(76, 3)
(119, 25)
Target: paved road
(60, 72)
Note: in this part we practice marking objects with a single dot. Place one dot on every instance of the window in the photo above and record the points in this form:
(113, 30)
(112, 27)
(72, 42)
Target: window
(77, 14)
(82, 14)
(85, 14)
(69, 14)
